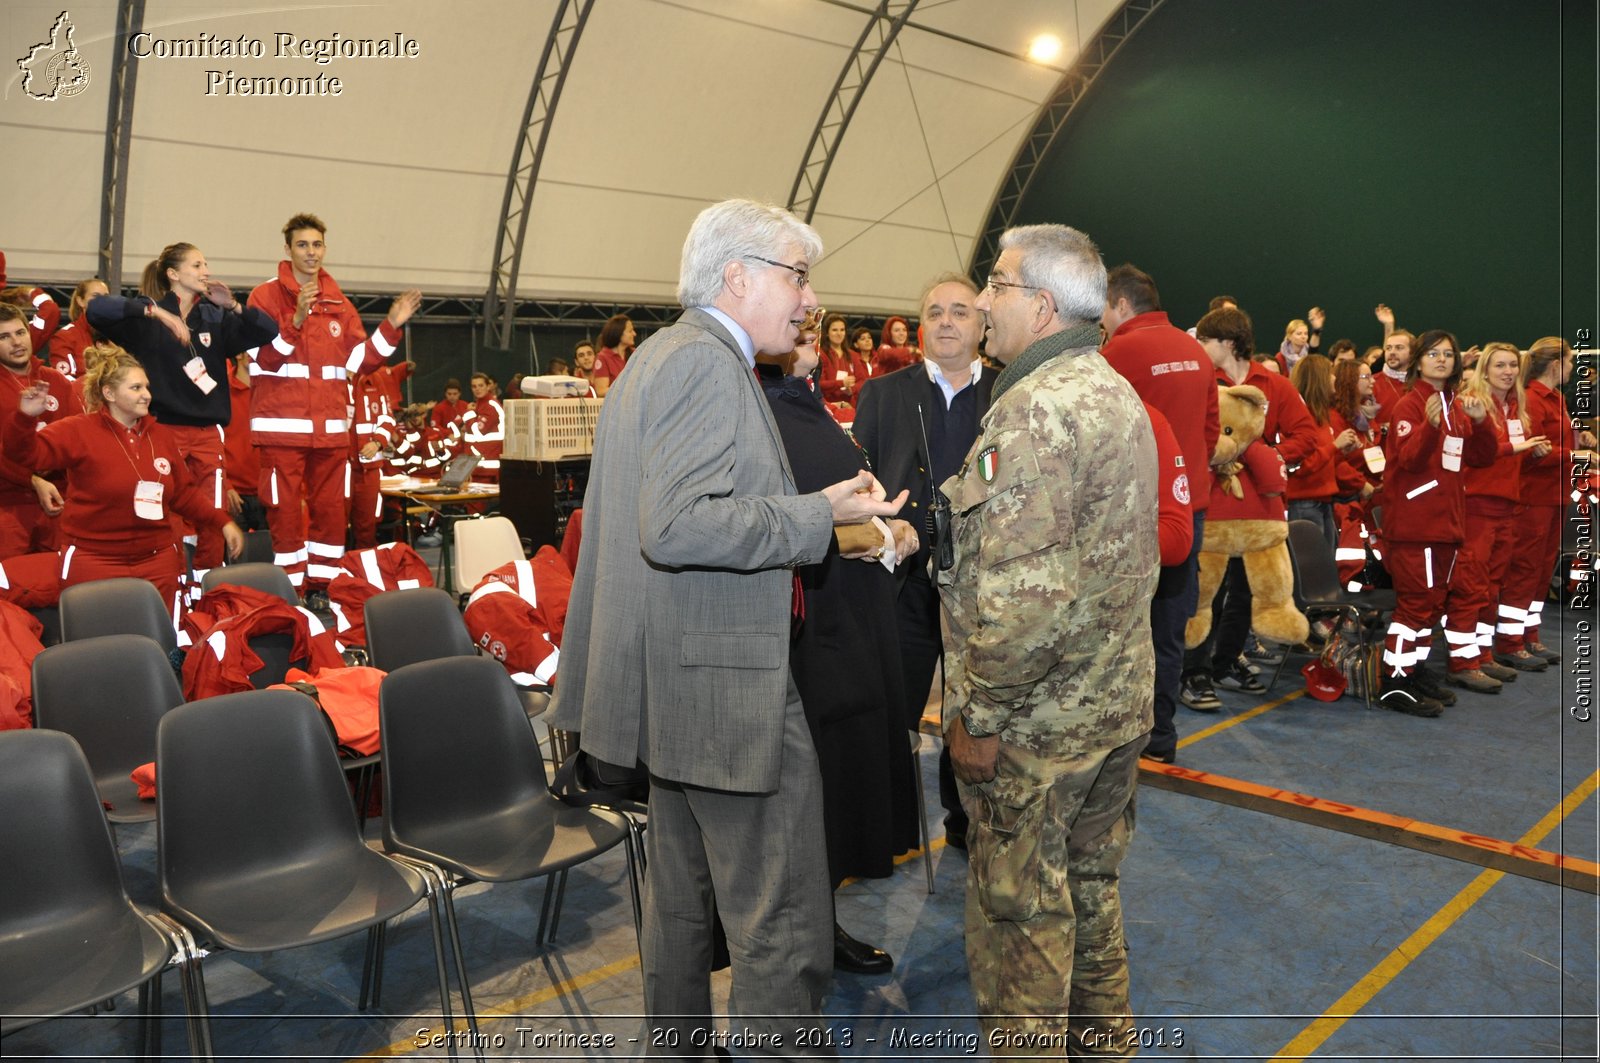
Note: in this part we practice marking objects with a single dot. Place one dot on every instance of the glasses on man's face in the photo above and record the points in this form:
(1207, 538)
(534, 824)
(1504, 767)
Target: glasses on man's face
(802, 275)
(992, 289)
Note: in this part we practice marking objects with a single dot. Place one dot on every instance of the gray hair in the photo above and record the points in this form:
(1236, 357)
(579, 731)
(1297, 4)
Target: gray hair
(1064, 262)
(948, 278)
(733, 230)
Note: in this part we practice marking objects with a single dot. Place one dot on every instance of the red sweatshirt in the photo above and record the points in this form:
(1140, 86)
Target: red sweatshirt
(1424, 502)
(1494, 488)
(1316, 478)
(103, 462)
(1387, 391)
(1171, 371)
(1352, 471)
(16, 475)
(1289, 425)
(1175, 527)
(1546, 481)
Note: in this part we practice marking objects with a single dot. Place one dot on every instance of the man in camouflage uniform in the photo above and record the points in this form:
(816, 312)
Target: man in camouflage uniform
(1047, 641)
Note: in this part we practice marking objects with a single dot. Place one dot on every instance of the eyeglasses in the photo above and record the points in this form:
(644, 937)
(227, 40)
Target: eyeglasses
(802, 276)
(992, 288)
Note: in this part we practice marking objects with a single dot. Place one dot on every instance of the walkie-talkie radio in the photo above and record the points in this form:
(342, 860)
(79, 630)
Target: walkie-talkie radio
(944, 545)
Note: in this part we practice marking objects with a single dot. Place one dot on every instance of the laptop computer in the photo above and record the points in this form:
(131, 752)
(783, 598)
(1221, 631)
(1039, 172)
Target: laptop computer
(456, 475)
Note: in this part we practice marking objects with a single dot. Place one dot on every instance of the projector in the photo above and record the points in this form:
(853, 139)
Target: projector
(554, 387)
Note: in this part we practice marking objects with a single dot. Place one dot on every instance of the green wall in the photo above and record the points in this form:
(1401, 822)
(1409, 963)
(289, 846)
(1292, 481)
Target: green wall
(1343, 153)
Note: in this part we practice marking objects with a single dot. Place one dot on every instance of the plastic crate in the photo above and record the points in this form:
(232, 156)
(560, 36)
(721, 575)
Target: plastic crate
(550, 429)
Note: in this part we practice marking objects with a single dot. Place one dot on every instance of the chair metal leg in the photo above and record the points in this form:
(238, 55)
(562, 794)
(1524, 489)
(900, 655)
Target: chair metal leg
(380, 943)
(440, 885)
(633, 877)
(369, 959)
(444, 979)
(555, 912)
(150, 1018)
(922, 808)
(187, 957)
(544, 908)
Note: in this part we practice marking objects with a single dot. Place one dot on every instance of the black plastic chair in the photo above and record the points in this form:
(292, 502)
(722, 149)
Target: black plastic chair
(464, 787)
(1316, 577)
(121, 606)
(263, 576)
(258, 849)
(418, 624)
(109, 693)
(69, 936)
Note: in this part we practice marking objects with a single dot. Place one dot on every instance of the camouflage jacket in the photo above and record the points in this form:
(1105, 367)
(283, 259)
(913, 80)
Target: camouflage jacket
(1047, 608)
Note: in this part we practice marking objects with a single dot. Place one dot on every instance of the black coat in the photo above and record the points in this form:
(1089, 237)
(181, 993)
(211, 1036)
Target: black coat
(846, 661)
(889, 429)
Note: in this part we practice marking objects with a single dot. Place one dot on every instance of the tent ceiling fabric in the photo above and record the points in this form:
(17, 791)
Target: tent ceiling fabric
(669, 105)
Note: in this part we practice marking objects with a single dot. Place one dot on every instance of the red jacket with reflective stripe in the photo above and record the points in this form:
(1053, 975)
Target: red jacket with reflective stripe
(301, 380)
(1423, 502)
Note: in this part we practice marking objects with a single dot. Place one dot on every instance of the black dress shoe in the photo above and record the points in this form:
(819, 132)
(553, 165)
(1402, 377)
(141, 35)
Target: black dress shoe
(858, 957)
(955, 834)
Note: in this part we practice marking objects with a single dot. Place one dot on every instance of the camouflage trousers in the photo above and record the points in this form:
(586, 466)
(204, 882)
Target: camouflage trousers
(1045, 947)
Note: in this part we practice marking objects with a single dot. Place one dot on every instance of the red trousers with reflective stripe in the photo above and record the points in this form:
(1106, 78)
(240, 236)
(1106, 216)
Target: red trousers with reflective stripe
(1527, 581)
(303, 489)
(1473, 601)
(1421, 574)
(366, 503)
(202, 452)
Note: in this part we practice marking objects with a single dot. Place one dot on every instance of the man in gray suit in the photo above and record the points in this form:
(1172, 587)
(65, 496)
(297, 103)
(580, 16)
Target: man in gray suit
(676, 651)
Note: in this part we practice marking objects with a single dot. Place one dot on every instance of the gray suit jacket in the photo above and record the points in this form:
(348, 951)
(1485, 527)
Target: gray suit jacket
(676, 649)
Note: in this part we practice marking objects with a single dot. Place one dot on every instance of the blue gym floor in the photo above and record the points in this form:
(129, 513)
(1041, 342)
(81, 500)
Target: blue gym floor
(1251, 937)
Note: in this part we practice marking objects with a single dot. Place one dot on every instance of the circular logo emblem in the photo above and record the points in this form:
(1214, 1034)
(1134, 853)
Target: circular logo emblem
(497, 650)
(1180, 488)
(334, 330)
(51, 404)
(1402, 428)
(163, 466)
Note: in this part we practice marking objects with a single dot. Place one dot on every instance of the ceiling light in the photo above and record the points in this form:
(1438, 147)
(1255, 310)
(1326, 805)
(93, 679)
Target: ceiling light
(1046, 48)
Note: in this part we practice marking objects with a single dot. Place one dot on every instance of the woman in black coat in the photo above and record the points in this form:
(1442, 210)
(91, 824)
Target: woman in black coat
(846, 662)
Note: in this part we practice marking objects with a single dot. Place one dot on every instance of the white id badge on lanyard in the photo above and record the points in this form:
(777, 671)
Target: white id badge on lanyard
(1514, 431)
(147, 500)
(195, 370)
(1451, 458)
(1374, 459)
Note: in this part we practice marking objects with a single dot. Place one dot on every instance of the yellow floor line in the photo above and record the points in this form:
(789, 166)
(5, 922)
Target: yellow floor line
(1248, 714)
(515, 1007)
(560, 989)
(1361, 994)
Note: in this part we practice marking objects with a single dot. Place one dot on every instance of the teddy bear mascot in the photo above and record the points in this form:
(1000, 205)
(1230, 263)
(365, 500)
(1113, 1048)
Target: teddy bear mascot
(1247, 520)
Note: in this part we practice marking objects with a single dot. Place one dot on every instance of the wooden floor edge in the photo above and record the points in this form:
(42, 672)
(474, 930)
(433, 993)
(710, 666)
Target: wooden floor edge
(1521, 860)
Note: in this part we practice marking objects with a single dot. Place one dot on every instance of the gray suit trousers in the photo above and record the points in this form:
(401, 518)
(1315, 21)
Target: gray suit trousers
(761, 859)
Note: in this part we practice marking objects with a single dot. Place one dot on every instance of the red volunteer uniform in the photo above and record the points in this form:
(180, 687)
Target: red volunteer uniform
(300, 418)
(483, 433)
(1546, 488)
(1175, 527)
(1316, 478)
(1289, 428)
(446, 413)
(1493, 496)
(517, 613)
(374, 426)
(24, 526)
(1356, 469)
(1172, 373)
(1425, 515)
(67, 347)
(240, 460)
(122, 486)
(1387, 390)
